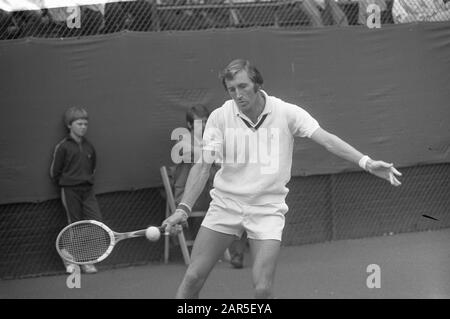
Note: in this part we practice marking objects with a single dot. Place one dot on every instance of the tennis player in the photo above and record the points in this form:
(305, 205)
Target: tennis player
(250, 188)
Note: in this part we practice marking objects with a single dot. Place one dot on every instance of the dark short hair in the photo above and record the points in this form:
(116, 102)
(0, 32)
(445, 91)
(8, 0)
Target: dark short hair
(74, 113)
(238, 65)
(199, 111)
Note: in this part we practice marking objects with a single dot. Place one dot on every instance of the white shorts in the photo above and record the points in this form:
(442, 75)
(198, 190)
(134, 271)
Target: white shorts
(226, 215)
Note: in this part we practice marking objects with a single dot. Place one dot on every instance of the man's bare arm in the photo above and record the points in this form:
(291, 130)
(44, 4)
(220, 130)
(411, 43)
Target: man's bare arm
(196, 181)
(344, 150)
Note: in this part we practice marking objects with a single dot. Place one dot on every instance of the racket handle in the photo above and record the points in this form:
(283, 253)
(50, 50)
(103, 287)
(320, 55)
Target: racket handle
(162, 229)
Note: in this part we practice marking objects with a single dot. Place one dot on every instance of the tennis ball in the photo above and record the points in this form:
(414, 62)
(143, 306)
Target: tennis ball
(152, 233)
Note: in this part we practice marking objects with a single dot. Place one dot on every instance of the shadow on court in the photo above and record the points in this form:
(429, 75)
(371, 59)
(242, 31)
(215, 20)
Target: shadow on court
(412, 265)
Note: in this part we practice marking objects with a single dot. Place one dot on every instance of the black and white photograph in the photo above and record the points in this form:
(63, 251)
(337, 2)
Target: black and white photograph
(232, 151)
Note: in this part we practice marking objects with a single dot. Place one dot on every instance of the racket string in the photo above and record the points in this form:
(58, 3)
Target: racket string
(85, 242)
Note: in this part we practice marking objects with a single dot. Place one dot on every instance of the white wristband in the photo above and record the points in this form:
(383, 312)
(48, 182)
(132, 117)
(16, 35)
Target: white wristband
(185, 208)
(363, 162)
(178, 210)
(186, 205)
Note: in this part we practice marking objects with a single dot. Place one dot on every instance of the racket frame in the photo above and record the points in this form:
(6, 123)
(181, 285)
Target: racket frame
(114, 239)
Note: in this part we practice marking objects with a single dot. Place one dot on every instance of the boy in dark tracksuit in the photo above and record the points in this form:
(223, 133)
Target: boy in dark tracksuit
(72, 169)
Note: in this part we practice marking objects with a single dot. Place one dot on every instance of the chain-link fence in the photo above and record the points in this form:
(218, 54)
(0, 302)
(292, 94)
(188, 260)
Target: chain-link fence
(321, 208)
(184, 15)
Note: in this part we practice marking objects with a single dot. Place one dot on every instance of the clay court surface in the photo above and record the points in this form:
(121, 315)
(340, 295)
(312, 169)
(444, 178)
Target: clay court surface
(412, 265)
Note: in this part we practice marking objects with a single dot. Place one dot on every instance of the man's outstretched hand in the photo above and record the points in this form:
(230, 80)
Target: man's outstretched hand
(385, 171)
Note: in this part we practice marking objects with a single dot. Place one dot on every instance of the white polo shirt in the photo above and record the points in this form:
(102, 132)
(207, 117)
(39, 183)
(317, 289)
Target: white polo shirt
(256, 157)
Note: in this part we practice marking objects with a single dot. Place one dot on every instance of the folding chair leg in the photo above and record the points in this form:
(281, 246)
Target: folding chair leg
(167, 239)
(166, 248)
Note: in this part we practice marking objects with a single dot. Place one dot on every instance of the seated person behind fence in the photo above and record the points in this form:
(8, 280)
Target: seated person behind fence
(421, 10)
(364, 13)
(319, 12)
(72, 169)
(323, 12)
(189, 147)
(77, 20)
(9, 27)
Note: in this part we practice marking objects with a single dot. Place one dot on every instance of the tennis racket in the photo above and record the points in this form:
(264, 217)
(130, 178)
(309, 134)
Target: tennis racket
(90, 241)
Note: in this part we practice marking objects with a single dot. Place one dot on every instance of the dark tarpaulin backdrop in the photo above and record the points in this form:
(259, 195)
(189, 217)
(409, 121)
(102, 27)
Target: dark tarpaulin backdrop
(385, 91)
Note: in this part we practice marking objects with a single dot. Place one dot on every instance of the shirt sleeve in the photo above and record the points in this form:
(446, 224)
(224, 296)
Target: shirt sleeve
(213, 135)
(57, 164)
(213, 138)
(300, 122)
